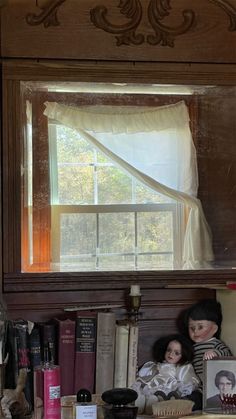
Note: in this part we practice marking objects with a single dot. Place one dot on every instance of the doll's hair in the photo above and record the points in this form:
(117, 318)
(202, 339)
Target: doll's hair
(161, 344)
(208, 309)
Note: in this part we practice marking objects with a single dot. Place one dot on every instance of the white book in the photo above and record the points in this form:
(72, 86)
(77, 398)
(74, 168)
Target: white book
(105, 351)
(121, 355)
(132, 354)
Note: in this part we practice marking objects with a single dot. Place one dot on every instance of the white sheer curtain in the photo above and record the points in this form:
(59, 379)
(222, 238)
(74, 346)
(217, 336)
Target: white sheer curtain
(139, 140)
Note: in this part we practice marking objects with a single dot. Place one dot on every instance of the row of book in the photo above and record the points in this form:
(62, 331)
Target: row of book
(93, 349)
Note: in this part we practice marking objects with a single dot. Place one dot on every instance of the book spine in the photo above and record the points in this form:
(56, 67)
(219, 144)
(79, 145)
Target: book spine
(105, 351)
(11, 372)
(49, 339)
(85, 355)
(66, 354)
(132, 355)
(35, 348)
(22, 339)
(121, 355)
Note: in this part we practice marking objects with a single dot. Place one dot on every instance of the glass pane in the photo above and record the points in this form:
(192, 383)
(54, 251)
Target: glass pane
(116, 233)
(145, 195)
(155, 232)
(78, 239)
(71, 148)
(76, 185)
(114, 186)
(116, 262)
(155, 262)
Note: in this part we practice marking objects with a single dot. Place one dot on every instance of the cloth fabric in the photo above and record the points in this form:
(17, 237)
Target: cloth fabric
(200, 348)
(155, 378)
(214, 401)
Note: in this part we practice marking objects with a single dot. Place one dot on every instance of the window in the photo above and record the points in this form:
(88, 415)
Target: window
(103, 218)
(102, 196)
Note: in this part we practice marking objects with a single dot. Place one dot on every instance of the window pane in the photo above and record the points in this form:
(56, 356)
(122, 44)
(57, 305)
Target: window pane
(78, 240)
(155, 232)
(75, 185)
(114, 263)
(116, 233)
(155, 261)
(114, 187)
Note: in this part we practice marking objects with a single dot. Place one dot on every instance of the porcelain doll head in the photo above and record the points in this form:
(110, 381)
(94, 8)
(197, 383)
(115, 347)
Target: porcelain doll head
(173, 349)
(204, 320)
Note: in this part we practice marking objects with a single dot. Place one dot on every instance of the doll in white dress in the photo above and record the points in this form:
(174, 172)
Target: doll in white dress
(170, 375)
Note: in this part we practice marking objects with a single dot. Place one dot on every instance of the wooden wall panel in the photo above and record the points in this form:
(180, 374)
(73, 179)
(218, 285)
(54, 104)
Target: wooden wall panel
(182, 31)
(160, 308)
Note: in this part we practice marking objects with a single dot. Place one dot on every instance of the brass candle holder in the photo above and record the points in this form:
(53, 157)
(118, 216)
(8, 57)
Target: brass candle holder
(135, 301)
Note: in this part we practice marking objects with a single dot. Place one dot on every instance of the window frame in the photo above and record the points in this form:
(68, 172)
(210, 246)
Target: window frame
(14, 73)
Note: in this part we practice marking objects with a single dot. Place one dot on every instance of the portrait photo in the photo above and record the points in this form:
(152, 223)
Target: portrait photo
(219, 383)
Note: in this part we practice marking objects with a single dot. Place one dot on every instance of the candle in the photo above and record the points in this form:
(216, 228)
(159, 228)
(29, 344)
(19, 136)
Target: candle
(135, 291)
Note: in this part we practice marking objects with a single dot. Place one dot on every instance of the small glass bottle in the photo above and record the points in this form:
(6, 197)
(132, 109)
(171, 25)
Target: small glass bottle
(84, 408)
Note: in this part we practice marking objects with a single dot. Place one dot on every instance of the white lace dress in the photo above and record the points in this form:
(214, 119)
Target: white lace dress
(165, 378)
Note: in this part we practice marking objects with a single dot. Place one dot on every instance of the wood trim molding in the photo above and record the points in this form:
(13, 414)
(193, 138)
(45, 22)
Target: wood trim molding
(125, 34)
(24, 282)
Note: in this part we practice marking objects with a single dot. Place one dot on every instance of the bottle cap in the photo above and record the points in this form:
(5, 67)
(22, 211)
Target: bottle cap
(84, 396)
(119, 396)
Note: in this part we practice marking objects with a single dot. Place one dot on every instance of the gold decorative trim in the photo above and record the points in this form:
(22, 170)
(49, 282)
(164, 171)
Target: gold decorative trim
(48, 16)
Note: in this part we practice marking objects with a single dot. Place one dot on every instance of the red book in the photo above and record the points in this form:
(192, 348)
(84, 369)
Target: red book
(85, 352)
(66, 354)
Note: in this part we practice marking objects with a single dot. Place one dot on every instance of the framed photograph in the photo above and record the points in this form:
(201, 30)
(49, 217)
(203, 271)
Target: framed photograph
(219, 385)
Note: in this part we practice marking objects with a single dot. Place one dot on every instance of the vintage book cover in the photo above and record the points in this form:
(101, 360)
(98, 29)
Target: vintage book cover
(121, 354)
(105, 351)
(85, 353)
(35, 347)
(66, 354)
(132, 354)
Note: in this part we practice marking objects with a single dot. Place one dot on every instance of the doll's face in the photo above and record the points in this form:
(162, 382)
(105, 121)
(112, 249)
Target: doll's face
(201, 330)
(173, 352)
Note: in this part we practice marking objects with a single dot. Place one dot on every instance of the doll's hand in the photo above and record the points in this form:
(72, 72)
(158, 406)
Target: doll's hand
(209, 355)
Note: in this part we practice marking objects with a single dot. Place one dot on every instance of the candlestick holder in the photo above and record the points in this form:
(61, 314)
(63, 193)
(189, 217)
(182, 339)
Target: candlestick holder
(135, 301)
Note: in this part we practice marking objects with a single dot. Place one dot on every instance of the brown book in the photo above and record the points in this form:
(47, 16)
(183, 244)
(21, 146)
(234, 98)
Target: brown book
(85, 353)
(66, 354)
(105, 351)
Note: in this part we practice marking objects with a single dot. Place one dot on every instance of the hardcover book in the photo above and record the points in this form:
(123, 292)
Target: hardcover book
(132, 354)
(105, 352)
(85, 353)
(66, 354)
(121, 355)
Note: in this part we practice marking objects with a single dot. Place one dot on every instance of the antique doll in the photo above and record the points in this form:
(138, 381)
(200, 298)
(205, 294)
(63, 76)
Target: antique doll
(203, 322)
(170, 375)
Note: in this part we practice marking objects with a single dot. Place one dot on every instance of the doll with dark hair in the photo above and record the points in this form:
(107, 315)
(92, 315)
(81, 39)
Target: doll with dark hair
(170, 375)
(203, 323)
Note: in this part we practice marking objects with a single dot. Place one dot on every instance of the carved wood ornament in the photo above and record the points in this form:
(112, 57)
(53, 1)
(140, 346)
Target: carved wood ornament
(48, 16)
(132, 9)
